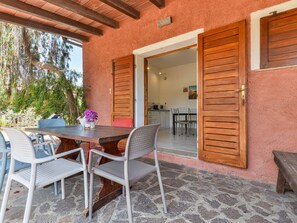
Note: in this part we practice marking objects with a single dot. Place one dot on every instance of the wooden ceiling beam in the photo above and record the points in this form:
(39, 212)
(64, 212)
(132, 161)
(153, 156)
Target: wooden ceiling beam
(41, 27)
(123, 7)
(159, 3)
(83, 11)
(35, 11)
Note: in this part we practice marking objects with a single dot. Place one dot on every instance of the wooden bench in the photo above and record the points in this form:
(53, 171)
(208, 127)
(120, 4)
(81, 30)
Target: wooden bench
(287, 173)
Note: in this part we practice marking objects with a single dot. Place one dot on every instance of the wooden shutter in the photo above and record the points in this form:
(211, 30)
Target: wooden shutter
(123, 87)
(222, 106)
(279, 39)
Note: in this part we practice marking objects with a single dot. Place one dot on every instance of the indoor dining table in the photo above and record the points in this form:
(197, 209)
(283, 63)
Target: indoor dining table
(108, 138)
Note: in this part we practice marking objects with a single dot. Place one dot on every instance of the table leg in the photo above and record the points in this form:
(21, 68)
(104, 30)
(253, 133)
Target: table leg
(109, 190)
(173, 123)
(66, 145)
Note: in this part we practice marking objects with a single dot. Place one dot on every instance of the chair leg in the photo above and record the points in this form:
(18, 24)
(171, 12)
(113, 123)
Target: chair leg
(63, 188)
(86, 187)
(91, 195)
(30, 193)
(160, 181)
(3, 171)
(162, 190)
(2, 176)
(5, 199)
(28, 205)
(124, 191)
(129, 207)
(56, 188)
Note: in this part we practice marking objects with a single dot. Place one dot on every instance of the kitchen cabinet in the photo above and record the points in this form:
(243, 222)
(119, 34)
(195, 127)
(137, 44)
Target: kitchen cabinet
(159, 116)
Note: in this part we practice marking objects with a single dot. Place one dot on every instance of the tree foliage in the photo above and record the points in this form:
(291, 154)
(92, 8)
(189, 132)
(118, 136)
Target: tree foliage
(34, 69)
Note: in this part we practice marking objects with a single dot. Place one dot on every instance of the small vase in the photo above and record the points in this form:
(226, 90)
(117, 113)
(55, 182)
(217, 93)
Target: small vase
(92, 125)
(87, 125)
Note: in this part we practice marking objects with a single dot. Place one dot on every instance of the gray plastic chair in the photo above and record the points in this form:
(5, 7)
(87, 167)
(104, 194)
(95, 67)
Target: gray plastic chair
(125, 170)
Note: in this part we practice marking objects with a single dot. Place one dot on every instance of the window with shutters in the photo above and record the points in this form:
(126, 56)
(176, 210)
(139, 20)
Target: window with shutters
(279, 39)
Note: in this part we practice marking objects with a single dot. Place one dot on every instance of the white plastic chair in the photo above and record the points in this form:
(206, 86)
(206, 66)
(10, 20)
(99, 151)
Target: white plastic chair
(125, 170)
(43, 171)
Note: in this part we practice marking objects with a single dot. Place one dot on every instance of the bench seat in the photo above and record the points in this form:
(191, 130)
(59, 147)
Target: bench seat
(287, 174)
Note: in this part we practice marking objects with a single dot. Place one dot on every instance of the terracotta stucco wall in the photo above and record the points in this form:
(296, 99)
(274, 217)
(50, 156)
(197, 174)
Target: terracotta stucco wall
(272, 94)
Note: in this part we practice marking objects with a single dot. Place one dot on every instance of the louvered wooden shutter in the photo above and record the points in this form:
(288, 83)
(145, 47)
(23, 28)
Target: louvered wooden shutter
(222, 108)
(279, 39)
(123, 87)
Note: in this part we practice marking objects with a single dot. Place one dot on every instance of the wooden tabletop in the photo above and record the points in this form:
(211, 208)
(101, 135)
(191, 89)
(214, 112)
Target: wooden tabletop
(101, 134)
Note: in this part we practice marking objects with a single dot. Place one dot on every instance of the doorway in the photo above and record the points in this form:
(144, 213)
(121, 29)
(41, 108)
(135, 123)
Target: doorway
(171, 99)
(163, 47)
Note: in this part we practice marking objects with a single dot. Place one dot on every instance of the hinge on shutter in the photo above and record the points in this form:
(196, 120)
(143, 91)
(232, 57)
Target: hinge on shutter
(274, 13)
(113, 69)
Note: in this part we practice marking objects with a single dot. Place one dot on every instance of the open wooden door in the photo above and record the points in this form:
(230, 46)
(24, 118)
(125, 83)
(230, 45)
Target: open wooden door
(123, 87)
(222, 95)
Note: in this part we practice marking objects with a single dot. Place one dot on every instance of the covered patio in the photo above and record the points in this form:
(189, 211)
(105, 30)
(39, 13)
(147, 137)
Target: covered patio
(245, 92)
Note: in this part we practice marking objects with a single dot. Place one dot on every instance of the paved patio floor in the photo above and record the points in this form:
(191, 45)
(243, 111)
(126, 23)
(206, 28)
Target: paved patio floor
(192, 196)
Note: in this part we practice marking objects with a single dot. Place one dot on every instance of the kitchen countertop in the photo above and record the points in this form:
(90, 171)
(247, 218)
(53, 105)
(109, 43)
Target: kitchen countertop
(159, 110)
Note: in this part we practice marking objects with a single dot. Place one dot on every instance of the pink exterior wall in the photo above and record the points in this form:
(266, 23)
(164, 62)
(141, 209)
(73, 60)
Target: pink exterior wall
(272, 94)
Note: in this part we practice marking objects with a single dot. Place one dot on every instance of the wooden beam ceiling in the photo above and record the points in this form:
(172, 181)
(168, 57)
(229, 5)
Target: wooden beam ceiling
(123, 7)
(42, 27)
(159, 3)
(35, 11)
(83, 11)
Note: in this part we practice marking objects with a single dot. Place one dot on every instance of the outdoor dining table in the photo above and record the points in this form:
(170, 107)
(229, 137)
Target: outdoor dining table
(108, 138)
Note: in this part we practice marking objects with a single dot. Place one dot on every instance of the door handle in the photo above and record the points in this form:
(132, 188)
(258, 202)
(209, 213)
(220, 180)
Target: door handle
(242, 91)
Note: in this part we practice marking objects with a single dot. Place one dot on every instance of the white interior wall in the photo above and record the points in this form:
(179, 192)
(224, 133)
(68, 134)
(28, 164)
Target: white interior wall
(153, 85)
(171, 89)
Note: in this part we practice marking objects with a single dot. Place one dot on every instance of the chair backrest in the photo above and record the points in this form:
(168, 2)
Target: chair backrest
(21, 145)
(141, 141)
(45, 123)
(2, 143)
(123, 122)
(192, 114)
(175, 111)
(184, 111)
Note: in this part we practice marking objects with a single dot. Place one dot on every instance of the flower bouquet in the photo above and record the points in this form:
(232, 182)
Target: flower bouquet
(88, 121)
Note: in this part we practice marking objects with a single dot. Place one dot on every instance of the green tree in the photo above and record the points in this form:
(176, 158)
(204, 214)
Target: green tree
(34, 69)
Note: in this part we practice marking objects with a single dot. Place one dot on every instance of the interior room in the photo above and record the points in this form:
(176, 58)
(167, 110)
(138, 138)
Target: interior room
(172, 92)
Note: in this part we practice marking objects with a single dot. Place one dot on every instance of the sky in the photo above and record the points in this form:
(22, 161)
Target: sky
(76, 61)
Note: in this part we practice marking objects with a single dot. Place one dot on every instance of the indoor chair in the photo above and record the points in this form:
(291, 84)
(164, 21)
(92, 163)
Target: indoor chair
(125, 170)
(182, 120)
(192, 119)
(43, 171)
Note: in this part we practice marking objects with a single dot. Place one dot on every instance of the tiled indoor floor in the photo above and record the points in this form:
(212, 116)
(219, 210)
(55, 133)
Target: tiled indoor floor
(192, 196)
(180, 144)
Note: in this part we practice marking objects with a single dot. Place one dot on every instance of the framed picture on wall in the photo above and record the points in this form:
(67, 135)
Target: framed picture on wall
(193, 92)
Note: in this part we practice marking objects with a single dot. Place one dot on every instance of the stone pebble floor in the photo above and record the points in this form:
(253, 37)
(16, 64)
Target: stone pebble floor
(192, 196)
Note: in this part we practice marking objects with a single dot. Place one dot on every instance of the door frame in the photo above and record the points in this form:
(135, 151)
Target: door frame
(161, 47)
